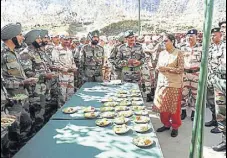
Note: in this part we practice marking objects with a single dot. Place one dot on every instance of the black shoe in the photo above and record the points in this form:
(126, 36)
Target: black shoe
(183, 114)
(162, 129)
(211, 123)
(174, 133)
(192, 115)
(220, 147)
(215, 130)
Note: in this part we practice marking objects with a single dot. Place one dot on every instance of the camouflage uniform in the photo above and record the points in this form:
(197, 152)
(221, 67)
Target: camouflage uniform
(63, 57)
(130, 73)
(13, 74)
(192, 58)
(78, 77)
(92, 63)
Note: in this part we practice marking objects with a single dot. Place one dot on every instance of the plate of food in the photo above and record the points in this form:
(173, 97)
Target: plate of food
(142, 141)
(125, 113)
(107, 100)
(120, 120)
(102, 122)
(135, 91)
(110, 104)
(142, 128)
(121, 108)
(122, 92)
(141, 119)
(69, 110)
(138, 107)
(108, 115)
(137, 103)
(137, 99)
(105, 109)
(121, 96)
(91, 115)
(7, 120)
(121, 129)
(135, 95)
(141, 112)
(124, 103)
(89, 109)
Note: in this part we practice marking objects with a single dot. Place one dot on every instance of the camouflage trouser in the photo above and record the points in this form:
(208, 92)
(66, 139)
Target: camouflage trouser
(190, 90)
(210, 100)
(37, 109)
(20, 130)
(148, 79)
(77, 81)
(4, 143)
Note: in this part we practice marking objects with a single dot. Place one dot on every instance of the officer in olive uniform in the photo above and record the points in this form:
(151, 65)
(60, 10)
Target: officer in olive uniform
(116, 71)
(36, 67)
(130, 58)
(217, 52)
(14, 81)
(92, 62)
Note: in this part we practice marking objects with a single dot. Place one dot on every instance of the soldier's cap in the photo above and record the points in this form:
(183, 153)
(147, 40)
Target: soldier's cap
(220, 23)
(95, 33)
(129, 33)
(217, 29)
(31, 36)
(192, 32)
(11, 30)
(44, 33)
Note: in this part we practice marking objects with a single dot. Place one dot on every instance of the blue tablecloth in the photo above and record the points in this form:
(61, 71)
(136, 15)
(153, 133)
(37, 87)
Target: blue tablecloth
(83, 139)
(77, 100)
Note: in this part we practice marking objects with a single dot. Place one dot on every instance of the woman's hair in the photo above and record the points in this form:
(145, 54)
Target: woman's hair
(172, 38)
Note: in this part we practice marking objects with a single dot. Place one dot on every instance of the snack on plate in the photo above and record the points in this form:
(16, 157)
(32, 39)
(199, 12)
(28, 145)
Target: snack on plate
(137, 103)
(141, 112)
(142, 141)
(69, 110)
(121, 108)
(108, 114)
(120, 120)
(102, 122)
(125, 113)
(141, 119)
(107, 100)
(142, 128)
(135, 91)
(121, 96)
(138, 108)
(135, 95)
(90, 115)
(122, 92)
(7, 120)
(124, 103)
(137, 99)
(111, 104)
(89, 109)
(121, 129)
(105, 109)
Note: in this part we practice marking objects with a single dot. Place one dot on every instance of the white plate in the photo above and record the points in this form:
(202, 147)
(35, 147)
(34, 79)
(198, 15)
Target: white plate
(69, 110)
(89, 109)
(125, 113)
(91, 115)
(141, 128)
(141, 112)
(111, 104)
(138, 107)
(121, 120)
(141, 119)
(105, 109)
(123, 129)
(102, 122)
(108, 115)
(121, 108)
(140, 141)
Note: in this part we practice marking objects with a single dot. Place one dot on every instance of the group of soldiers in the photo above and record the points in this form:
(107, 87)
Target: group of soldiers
(47, 68)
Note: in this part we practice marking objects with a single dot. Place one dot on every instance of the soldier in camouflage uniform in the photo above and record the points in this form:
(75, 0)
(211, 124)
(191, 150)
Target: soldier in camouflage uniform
(130, 58)
(35, 66)
(217, 51)
(192, 56)
(115, 70)
(219, 84)
(14, 82)
(63, 58)
(92, 62)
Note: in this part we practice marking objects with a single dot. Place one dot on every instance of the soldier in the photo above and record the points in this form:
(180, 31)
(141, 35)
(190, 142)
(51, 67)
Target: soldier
(63, 58)
(130, 58)
(216, 53)
(219, 82)
(116, 71)
(222, 26)
(192, 55)
(35, 66)
(14, 82)
(92, 62)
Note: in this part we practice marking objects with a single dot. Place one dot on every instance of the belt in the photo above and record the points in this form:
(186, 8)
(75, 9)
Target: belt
(131, 68)
(191, 70)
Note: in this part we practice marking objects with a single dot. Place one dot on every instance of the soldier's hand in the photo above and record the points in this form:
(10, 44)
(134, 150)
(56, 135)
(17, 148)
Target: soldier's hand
(136, 63)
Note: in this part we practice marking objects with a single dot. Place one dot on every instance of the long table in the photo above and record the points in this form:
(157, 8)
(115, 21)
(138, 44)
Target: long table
(66, 137)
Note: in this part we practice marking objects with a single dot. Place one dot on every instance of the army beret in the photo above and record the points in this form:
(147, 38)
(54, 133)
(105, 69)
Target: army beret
(31, 36)
(129, 33)
(95, 33)
(44, 33)
(192, 32)
(215, 30)
(220, 23)
(11, 30)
